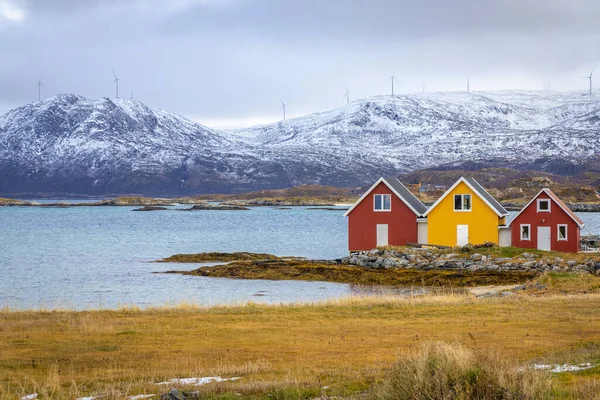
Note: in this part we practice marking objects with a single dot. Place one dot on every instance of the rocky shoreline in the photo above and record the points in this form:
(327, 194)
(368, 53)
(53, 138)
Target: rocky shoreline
(155, 204)
(116, 202)
(243, 204)
(426, 259)
(278, 203)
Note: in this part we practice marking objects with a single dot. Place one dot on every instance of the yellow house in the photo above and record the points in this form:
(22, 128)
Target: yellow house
(466, 213)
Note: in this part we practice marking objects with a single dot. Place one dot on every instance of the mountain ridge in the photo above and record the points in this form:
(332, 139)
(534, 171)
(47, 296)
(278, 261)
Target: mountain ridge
(71, 144)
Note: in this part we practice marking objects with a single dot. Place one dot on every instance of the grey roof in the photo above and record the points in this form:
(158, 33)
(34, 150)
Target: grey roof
(408, 197)
(488, 197)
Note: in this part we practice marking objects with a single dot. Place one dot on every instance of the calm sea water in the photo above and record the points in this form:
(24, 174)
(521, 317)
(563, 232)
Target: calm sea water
(85, 257)
(88, 257)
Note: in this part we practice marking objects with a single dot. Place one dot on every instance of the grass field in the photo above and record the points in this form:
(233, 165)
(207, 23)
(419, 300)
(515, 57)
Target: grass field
(293, 351)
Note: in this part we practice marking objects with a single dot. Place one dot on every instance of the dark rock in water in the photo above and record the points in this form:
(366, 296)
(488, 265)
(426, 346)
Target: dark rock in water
(150, 208)
(56, 205)
(214, 207)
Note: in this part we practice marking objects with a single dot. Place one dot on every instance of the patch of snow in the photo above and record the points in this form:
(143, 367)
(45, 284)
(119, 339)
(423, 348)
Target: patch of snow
(30, 396)
(140, 396)
(197, 381)
(558, 368)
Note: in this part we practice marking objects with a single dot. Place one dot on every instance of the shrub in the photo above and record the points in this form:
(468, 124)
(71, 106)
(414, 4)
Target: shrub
(441, 370)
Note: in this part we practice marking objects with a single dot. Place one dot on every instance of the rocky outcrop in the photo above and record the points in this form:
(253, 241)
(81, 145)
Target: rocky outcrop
(150, 208)
(175, 394)
(278, 203)
(426, 259)
(208, 206)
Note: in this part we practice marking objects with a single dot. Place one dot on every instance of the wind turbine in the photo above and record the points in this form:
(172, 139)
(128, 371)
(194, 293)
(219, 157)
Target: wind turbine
(347, 95)
(282, 108)
(590, 78)
(468, 85)
(39, 86)
(116, 82)
(393, 78)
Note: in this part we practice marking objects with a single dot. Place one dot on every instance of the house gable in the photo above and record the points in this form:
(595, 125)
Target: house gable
(549, 194)
(399, 220)
(563, 224)
(481, 221)
(476, 189)
(398, 189)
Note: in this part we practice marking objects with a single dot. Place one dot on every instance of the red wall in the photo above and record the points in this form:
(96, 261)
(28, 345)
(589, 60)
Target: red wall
(362, 222)
(555, 217)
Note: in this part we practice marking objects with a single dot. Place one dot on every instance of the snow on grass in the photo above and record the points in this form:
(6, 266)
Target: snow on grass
(197, 381)
(30, 396)
(558, 368)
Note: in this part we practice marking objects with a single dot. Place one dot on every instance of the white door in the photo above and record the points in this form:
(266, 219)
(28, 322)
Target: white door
(462, 235)
(382, 235)
(544, 238)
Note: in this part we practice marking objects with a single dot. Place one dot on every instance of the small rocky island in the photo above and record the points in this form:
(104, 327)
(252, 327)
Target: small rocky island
(378, 268)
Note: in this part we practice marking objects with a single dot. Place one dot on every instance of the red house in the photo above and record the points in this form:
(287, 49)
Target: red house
(385, 215)
(546, 223)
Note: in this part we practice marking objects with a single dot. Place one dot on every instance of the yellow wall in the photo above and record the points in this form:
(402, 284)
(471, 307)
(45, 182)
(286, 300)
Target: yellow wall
(482, 220)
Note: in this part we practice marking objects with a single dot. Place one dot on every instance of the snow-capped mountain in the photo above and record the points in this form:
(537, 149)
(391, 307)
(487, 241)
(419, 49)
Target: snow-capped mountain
(411, 132)
(70, 144)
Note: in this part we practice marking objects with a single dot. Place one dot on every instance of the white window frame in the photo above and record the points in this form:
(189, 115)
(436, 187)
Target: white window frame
(549, 205)
(566, 238)
(382, 203)
(521, 232)
(462, 202)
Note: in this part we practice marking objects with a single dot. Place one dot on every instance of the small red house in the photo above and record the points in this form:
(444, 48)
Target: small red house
(385, 215)
(546, 223)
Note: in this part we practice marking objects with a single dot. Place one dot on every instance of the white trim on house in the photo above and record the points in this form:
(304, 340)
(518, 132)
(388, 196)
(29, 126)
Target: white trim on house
(383, 209)
(566, 238)
(462, 179)
(549, 201)
(545, 190)
(373, 188)
(528, 232)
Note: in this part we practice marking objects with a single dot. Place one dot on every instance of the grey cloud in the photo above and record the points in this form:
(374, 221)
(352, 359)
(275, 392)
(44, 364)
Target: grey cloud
(388, 19)
(234, 59)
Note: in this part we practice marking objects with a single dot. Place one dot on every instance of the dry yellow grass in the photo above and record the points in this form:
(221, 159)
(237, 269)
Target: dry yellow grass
(286, 351)
(441, 370)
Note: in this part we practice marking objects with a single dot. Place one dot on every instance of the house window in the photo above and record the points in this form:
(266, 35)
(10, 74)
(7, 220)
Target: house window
(543, 205)
(462, 202)
(562, 232)
(383, 202)
(525, 232)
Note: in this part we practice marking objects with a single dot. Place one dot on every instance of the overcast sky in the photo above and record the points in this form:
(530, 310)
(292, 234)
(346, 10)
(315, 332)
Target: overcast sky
(228, 62)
